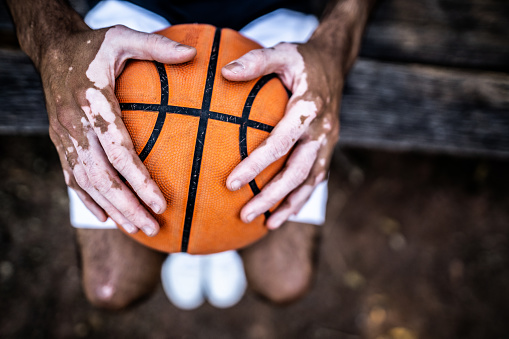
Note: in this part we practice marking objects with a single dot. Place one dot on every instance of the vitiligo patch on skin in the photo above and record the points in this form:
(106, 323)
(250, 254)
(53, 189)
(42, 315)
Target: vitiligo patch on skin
(114, 183)
(100, 112)
(95, 72)
(309, 121)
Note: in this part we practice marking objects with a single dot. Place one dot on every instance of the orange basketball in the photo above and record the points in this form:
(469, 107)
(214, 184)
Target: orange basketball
(191, 127)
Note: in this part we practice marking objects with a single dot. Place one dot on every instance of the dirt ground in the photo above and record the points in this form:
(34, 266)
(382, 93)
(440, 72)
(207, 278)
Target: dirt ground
(415, 246)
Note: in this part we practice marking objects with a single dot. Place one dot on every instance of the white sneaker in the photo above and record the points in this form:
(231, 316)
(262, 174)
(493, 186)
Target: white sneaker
(181, 276)
(224, 278)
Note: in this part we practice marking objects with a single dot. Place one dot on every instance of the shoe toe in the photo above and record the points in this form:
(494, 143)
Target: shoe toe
(225, 280)
(181, 278)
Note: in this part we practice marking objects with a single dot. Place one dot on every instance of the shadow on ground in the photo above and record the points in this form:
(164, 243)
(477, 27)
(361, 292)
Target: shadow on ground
(415, 246)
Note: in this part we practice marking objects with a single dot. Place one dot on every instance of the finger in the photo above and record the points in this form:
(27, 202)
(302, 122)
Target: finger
(104, 115)
(145, 46)
(102, 178)
(294, 202)
(260, 62)
(83, 181)
(92, 206)
(291, 205)
(70, 180)
(297, 118)
(293, 175)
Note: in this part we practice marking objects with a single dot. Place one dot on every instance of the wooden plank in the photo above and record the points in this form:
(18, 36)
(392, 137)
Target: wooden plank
(385, 105)
(459, 33)
(23, 107)
(416, 107)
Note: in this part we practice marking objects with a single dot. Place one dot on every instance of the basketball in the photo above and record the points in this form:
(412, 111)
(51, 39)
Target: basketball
(191, 127)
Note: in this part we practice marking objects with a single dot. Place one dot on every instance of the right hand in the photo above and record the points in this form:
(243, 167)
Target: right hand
(78, 76)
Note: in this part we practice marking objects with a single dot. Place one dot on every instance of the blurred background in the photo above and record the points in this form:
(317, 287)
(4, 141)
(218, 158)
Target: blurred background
(416, 243)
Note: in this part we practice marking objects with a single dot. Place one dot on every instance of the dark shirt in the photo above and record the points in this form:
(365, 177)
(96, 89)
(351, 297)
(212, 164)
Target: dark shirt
(221, 13)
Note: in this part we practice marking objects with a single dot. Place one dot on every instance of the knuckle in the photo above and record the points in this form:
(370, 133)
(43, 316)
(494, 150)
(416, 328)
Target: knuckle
(297, 175)
(284, 46)
(255, 59)
(133, 213)
(100, 185)
(97, 179)
(257, 166)
(152, 40)
(281, 145)
(270, 200)
(256, 55)
(63, 118)
(81, 180)
(321, 100)
(129, 214)
(119, 29)
(118, 157)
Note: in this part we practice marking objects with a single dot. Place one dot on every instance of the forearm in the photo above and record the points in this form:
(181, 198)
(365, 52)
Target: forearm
(339, 34)
(42, 25)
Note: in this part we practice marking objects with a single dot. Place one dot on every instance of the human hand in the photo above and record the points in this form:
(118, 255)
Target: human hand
(78, 76)
(310, 123)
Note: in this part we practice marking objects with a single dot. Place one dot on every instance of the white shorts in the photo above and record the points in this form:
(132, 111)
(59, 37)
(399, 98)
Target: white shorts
(268, 30)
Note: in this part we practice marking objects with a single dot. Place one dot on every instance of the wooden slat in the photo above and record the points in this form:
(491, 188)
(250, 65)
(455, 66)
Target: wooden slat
(459, 33)
(23, 107)
(410, 106)
(385, 105)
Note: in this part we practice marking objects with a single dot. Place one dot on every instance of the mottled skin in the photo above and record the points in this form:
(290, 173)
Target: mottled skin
(314, 72)
(78, 67)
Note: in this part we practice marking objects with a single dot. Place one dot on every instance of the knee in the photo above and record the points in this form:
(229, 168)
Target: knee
(105, 295)
(283, 289)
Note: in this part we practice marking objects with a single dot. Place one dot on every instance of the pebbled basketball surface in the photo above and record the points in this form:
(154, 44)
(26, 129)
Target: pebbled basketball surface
(191, 127)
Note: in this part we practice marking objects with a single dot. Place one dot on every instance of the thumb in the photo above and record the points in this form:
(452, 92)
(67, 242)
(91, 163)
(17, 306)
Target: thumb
(254, 64)
(146, 46)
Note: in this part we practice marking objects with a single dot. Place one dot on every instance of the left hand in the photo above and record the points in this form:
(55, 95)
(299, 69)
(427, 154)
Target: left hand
(311, 123)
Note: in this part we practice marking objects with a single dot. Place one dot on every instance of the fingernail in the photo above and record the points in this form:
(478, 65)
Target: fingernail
(235, 67)
(148, 230)
(250, 217)
(155, 207)
(235, 185)
(182, 48)
(130, 228)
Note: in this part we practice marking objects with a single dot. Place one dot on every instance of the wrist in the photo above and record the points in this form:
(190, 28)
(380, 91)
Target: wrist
(43, 26)
(339, 34)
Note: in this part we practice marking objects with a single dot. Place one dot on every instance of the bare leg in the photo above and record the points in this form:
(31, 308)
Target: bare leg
(280, 266)
(116, 269)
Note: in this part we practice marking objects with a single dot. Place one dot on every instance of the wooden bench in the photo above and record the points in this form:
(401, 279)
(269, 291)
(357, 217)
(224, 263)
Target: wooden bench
(432, 76)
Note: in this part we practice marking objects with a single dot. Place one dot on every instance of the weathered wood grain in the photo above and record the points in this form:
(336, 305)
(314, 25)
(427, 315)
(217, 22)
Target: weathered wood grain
(460, 33)
(23, 107)
(416, 107)
(385, 105)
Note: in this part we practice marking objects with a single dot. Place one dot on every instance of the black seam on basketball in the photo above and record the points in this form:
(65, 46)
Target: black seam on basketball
(161, 117)
(244, 125)
(163, 78)
(205, 114)
(259, 126)
(195, 112)
(200, 141)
